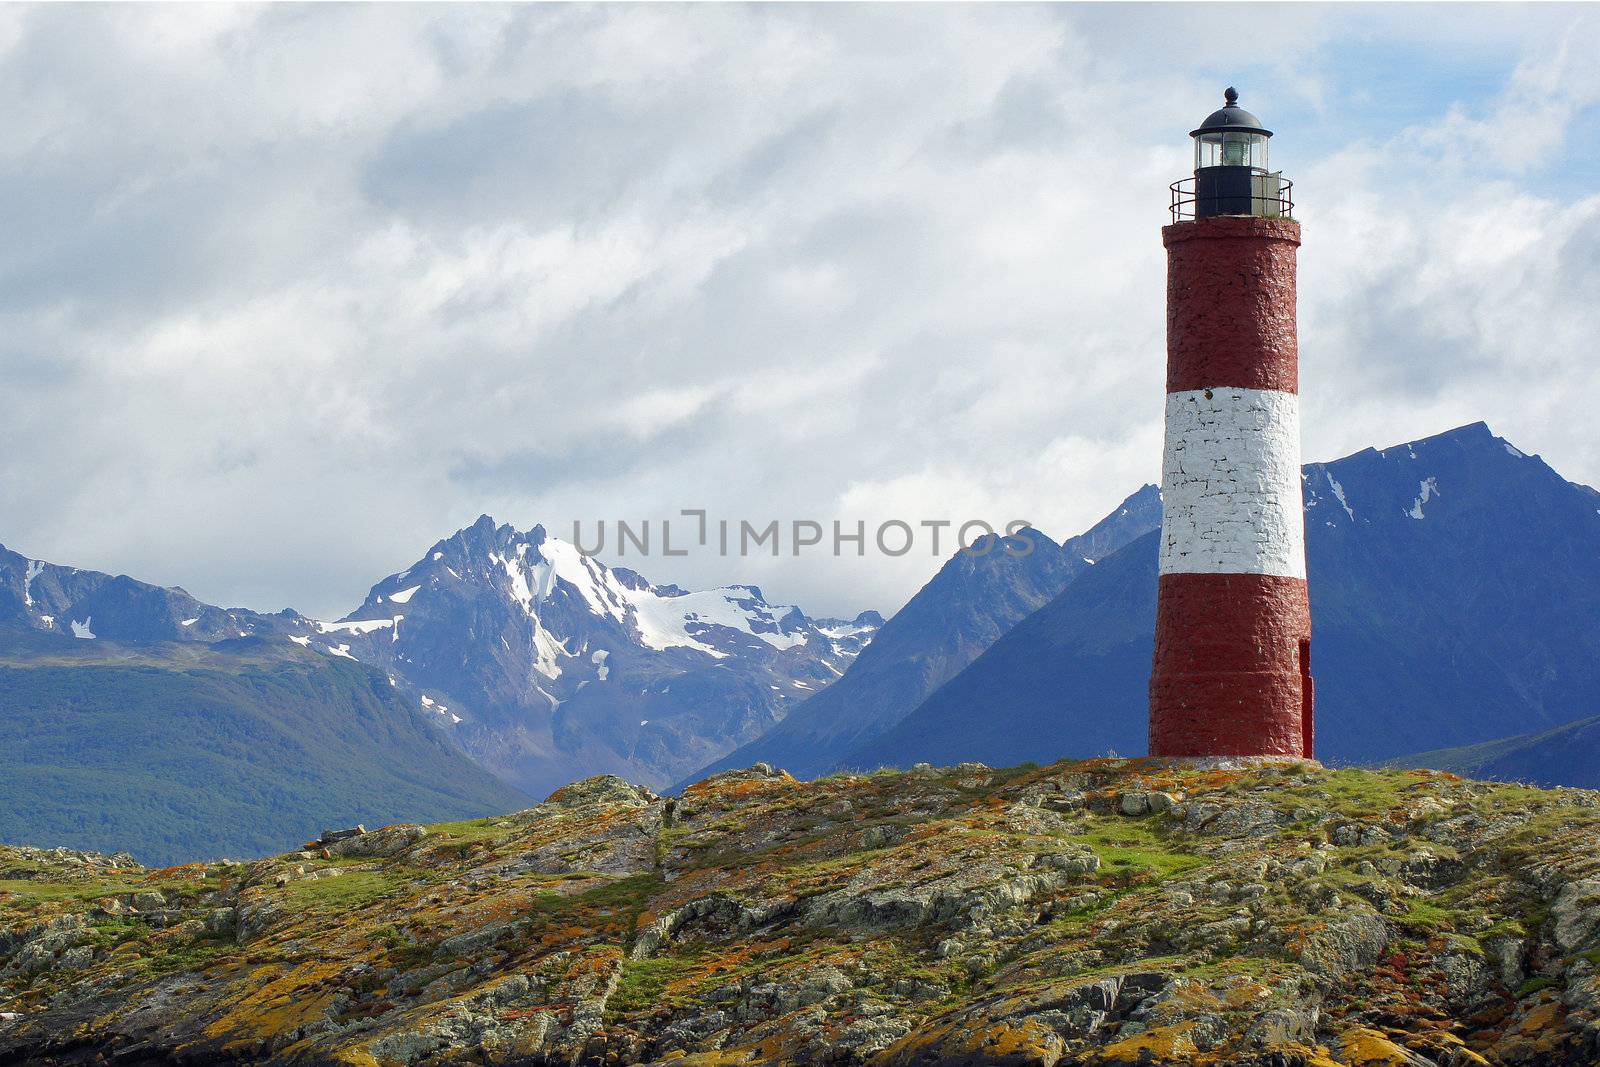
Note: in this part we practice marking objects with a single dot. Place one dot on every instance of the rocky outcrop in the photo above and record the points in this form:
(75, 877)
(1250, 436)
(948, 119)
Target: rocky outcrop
(1087, 914)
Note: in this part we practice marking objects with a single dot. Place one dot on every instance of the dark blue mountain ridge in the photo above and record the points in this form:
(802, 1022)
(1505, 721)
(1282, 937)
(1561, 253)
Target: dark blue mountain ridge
(38, 597)
(971, 602)
(1455, 590)
(1568, 755)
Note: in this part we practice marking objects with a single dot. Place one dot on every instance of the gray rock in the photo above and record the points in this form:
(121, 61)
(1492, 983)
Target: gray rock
(389, 841)
(496, 1021)
(255, 918)
(1245, 821)
(606, 790)
(1576, 911)
(1080, 860)
(1466, 976)
(473, 941)
(1279, 1026)
(867, 1037)
(42, 947)
(221, 921)
(330, 836)
(1134, 804)
(1350, 943)
(147, 902)
(1507, 956)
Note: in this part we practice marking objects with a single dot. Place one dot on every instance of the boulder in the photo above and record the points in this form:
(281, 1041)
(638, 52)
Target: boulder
(389, 841)
(603, 790)
(1347, 944)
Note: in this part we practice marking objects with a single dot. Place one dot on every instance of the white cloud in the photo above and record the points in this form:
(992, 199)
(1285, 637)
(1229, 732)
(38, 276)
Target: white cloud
(288, 293)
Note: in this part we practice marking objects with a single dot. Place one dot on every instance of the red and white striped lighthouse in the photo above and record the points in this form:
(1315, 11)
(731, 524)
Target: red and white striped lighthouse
(1232, 671)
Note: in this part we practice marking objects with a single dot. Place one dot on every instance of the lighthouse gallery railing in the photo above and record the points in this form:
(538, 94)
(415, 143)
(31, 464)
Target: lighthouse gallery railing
(1271, 197)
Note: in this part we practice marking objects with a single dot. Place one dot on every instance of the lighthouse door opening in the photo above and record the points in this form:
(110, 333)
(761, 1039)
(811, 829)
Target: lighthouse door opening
(1308, 701)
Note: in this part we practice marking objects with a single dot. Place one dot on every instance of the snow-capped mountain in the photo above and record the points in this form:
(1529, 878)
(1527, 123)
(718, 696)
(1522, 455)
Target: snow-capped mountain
(551, 665)
(45, 598)
(544, 664)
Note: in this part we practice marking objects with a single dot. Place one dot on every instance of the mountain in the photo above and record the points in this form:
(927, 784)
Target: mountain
(550, 665)
(542, 663)
(44, 598)
(1455, 584)
(971, 602)
(1565, 756)
(180, 750)
(1095, 914)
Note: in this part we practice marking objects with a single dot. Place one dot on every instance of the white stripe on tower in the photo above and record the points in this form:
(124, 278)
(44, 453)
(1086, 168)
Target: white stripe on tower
(1230, 483)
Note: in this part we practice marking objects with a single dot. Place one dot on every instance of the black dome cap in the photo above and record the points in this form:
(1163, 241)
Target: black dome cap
(1231, 117)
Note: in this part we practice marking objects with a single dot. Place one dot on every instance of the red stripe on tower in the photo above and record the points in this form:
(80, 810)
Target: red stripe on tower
(1231, 675)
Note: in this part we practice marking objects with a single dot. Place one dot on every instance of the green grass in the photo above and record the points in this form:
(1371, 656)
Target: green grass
(624, 899)
(1353, 792)
(1137, 850)
(1428, 917)
(643, 984)
(353, 890)
(36, 889)
(193, 957)
(474, 830)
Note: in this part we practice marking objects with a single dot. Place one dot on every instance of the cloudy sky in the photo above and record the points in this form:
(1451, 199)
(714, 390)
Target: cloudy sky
(289, 293)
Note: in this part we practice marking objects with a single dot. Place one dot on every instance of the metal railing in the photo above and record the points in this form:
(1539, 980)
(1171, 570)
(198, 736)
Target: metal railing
(1271, 197)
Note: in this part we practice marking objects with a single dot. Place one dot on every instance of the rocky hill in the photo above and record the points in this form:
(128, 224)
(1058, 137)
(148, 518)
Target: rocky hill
(1094, 913)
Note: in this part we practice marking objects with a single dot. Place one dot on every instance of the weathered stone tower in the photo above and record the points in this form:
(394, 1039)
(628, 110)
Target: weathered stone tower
(1232, 671)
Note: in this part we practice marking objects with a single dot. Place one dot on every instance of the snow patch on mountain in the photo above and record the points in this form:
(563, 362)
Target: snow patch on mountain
(358, 626)
(404, 596)
(548, 650)
(81, 629)
(839, 629)
(35, 568)
(595, 585)
(1427, 490)
(1338, 492)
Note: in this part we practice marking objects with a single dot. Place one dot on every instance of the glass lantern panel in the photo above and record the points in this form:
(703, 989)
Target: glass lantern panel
(1258, 152)
(1231, 149)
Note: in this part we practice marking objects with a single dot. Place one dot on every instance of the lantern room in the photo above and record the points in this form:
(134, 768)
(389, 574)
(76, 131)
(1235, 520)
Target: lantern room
(1231, 175)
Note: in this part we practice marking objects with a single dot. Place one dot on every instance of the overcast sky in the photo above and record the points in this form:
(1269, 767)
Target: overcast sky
(289, 293)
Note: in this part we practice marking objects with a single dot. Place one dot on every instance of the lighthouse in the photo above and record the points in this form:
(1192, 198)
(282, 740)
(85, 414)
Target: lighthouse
(1232, 669)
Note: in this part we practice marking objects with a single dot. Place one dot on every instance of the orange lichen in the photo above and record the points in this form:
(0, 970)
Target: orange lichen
(1159, 1045)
